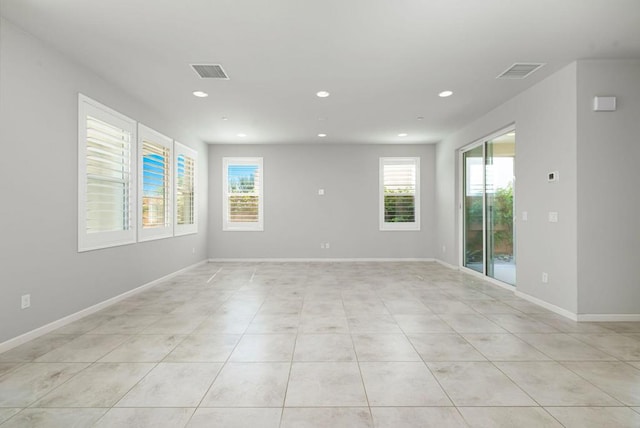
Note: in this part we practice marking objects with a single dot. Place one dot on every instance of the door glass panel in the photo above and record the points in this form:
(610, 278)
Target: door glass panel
(499, 173)
(473, 239)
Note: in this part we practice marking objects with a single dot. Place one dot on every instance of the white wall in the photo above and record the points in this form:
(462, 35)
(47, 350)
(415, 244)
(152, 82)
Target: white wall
(38, 245)
(545, 120)
(608, 189)
(297, 220)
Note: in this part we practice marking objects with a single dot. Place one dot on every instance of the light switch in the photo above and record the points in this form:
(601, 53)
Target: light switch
(553, 217)
(321, 192)
(525, 216)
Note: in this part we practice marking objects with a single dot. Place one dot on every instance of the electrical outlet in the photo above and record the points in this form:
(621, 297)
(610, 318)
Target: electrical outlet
(525, 216)
(327, 245)
(444, 248)
(553, 216)
(26, 301)
(545, 277)
(193, 251)
(322, 245)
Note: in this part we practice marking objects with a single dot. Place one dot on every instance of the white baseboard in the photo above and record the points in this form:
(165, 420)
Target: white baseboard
(553, 308)
(447, 265)
(609, 317)
(48, 328)
(316, 260)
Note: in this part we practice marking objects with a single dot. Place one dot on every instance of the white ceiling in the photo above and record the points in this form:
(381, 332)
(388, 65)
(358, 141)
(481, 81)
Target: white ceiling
(384, 61)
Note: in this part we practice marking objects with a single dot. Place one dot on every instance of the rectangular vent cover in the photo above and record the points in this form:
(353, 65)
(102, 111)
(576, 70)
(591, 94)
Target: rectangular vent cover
(210, 71)
(520, 70)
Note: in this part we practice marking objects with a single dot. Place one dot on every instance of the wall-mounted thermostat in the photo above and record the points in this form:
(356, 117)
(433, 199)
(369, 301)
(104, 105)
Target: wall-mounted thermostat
(604, 103)
(552, 176)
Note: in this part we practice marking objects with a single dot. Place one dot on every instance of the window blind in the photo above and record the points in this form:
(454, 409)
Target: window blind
(244, 193)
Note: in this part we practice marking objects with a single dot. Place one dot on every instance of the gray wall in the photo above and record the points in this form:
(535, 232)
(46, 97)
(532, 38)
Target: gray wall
(545, 118)
(297, 220)
(38, 134)
(608, 193)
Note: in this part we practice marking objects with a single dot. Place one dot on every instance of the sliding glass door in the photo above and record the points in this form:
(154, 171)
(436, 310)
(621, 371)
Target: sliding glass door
(488, 198)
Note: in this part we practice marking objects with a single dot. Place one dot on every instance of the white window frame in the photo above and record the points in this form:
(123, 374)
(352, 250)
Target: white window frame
(392, 226)
(184, 229)
(147, 234)
(93, 241)
(244, 227)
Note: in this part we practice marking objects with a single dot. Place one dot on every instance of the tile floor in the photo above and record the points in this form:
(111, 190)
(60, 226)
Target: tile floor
(325, 345)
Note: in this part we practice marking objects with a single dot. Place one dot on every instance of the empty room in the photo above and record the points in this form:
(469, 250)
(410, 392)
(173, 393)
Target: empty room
(337, 213)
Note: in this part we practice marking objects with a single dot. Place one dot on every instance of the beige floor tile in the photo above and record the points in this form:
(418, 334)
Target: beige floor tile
(381, 323)
(406, 306)
(417, 417)
(492, 307)
(31, 381)
(617, 379)
(146, 417)
(471, 323)
(6, 413)
(335, 417)
(595, 417)
(623, 347)
(323, 324)
(236, 418)
(262, 324)
(451, 306)
(401, 384)
(520, 323)
(384, 347)
(143, 348)
(551, 384)
(264, 348)
(478, 384)
(7, 367)
(204, 348)
(172, 385)
(622, 327)
(444, 347)
(223, 323)
(563, 347)
(175, 324)
(86, 348)
(422, 324)
(324, 347)
(35, 348)
(126, 324)
(504, 347)
(249, 385)
(100, 385)
(508, 417)
(325, 385)
(54, 418)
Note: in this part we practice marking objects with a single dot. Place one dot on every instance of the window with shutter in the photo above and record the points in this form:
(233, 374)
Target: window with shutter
(155, 154)
(106, 176)
(400, 193)
(185, 190)
(243, 185)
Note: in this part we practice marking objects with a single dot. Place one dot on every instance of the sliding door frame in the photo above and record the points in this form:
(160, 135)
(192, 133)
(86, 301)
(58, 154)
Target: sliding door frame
(461, 205)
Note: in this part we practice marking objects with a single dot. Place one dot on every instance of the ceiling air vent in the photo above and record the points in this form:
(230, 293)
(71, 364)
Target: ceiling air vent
(520, 70)
(210, 71)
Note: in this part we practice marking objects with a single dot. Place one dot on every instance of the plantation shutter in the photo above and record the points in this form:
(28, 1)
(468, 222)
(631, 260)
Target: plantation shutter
(244, 193)
(185, 196)
(155, 185)
(399, 192)
(108, 177)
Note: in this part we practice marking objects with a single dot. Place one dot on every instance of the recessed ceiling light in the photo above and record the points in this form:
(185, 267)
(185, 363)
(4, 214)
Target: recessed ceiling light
(322, 118)
(322, 94)
(224, 118)
(200, 94)
(322, 135)
(403, 134)
(242, 135)
(420, 117)
(445, 94)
